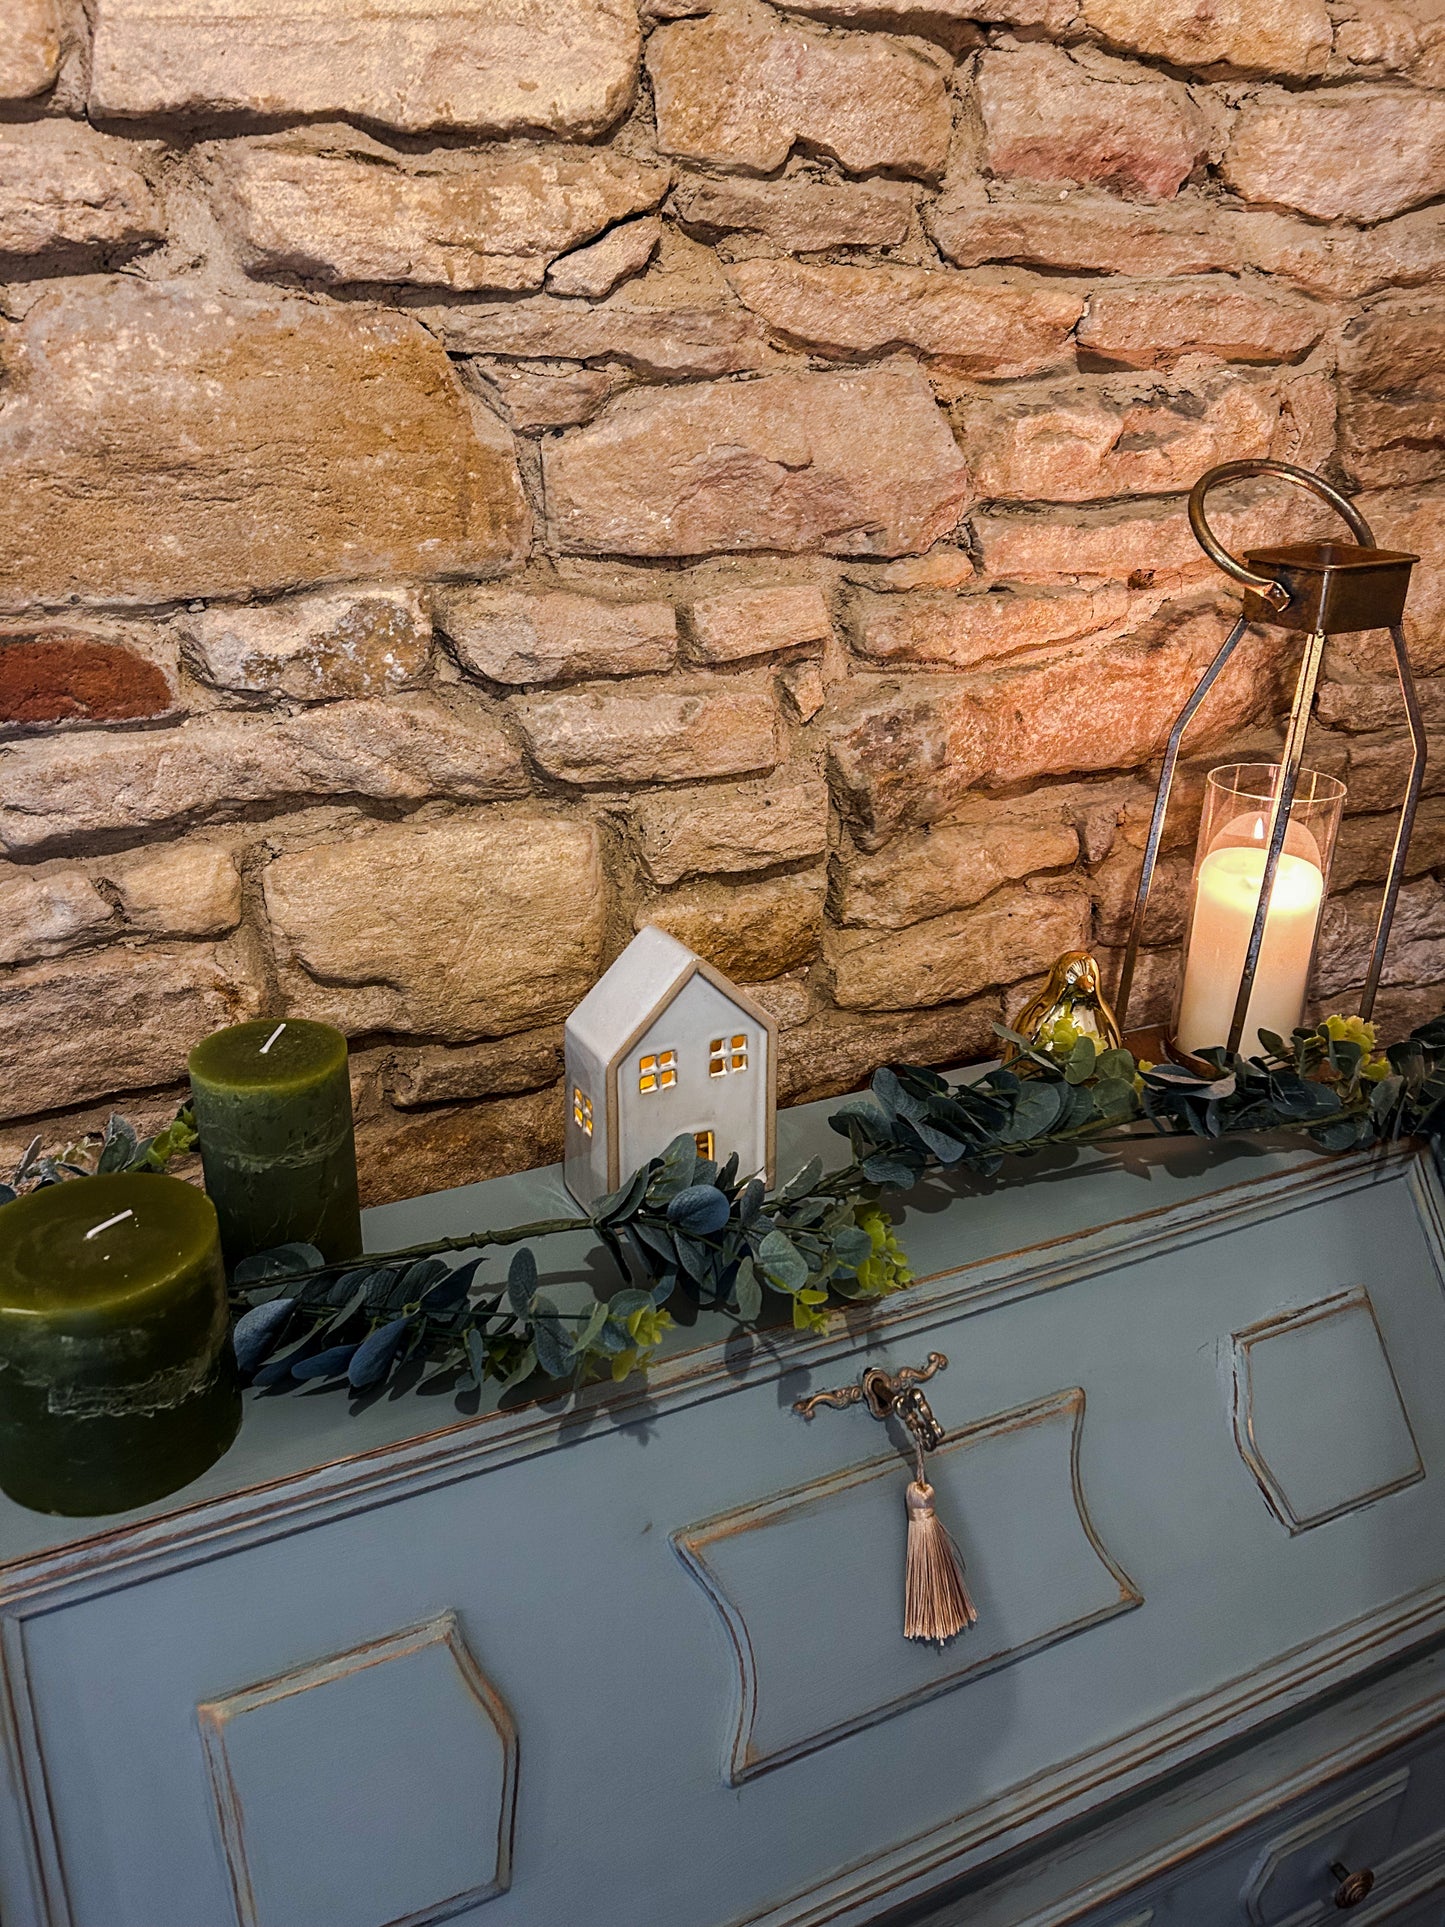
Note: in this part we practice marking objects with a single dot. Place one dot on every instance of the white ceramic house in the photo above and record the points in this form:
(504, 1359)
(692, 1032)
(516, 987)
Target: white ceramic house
(663, 1044)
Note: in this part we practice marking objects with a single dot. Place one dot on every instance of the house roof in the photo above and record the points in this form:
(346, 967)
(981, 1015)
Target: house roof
(640, 983)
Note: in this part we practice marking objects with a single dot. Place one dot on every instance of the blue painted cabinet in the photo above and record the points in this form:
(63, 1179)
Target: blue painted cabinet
(640, 1664)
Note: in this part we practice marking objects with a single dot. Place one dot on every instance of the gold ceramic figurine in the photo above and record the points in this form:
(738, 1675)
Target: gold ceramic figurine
(1071, 1005)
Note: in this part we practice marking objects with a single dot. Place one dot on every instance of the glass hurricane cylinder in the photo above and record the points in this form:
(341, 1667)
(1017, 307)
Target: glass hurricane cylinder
(117, 1378)
(278, 1146)
(1228, 875)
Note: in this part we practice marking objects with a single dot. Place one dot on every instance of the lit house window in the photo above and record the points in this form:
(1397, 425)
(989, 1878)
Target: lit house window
(582, 1110)
(705, 1142)
(727, 1054)
(657, 1071)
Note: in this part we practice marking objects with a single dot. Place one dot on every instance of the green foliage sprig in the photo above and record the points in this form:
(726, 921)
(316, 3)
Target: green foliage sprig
(679, 1224)
(120, 1147)
(682, 1225)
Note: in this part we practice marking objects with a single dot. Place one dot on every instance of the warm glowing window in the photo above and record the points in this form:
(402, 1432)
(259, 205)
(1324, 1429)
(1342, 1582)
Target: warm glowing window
(657, 1071)
(582, 1110)
(726, 1054)
(704, 1141)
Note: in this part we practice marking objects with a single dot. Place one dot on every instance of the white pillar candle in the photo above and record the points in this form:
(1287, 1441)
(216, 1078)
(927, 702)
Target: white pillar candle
(1226, 895)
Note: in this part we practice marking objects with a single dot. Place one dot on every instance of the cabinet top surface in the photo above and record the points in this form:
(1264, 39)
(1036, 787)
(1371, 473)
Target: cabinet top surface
(950, 1227)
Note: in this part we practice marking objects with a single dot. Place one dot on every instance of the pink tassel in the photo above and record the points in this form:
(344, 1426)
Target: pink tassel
(936, 1604)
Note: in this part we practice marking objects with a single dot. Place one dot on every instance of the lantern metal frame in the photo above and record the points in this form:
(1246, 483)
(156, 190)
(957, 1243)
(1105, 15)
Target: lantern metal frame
(1321, 589)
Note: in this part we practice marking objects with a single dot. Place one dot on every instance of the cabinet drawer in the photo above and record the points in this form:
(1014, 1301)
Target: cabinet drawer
(1225, 1869)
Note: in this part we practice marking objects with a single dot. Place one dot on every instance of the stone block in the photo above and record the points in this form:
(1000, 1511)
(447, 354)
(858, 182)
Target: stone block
(1412, 520)
(800, 213)
(1392, 392)
(596, 269)
(1366, 844)
(546, 397)
(186, 889)
(1011, 935)
(1154, 324)
(740, 87)
(906, 752)
(966, 631)
(1147, 544)
(403, 1154)
(1347, 935)
(1244, 36)
(723, 829)
(854, 464)
(939, 569)
(993, 326)
(563, 67)
(30, 51)
(839, 1050)
(55, 676)
(144, 1010)
(752, 931)
(336, 206)
(473, 926)
(955, 863)
(70, 193)
(1117, 436)
(758, 622)
(1341, 153)
(1095, 234)
(513, 636)
(670, 343)
(448, 1074)
(47, 910)
(803, 687)
(663, 733)
(403, 751)
(314, 648)
(1090, 233)
(1083, 118)
(163, 442)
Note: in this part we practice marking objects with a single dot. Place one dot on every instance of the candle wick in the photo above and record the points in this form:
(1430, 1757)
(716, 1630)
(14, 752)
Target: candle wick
(272, 1038)
(119, 1218)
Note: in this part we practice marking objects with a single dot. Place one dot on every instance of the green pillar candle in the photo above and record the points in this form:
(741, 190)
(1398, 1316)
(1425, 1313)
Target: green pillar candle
(273, 1109)
(117, 1378)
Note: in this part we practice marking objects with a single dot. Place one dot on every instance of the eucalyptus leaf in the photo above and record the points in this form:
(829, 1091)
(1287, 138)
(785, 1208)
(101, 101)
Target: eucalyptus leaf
(522, 1280)
(700, 1210)
(258, 1330)
(782, 1263)
(748, 1292)
(282, 1262)
(376, 1354)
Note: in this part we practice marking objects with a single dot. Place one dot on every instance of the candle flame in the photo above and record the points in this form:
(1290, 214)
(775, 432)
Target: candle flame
(119, 1218)
(1259, 829)
(272, 1038)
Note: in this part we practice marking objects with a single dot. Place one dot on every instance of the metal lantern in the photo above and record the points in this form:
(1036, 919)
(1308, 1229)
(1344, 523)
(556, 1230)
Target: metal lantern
(1320, 589)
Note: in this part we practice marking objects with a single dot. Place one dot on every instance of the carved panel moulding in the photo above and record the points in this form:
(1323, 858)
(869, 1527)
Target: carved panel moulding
(404, 1735)
(1037, 1569)
(1318, 1414)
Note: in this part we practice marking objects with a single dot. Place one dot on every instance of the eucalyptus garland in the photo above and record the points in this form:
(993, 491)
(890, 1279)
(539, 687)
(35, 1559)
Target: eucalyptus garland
(684, 1226)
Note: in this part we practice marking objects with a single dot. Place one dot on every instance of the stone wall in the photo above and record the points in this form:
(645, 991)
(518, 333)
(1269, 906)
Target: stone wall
(479, 476)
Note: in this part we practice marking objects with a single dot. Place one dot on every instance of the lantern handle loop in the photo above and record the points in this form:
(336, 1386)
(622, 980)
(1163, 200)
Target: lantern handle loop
(1273, 591)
